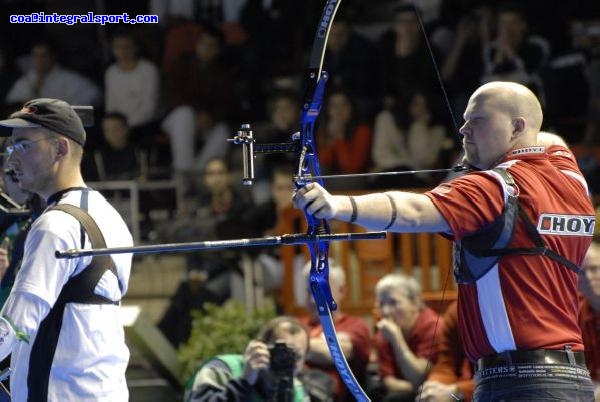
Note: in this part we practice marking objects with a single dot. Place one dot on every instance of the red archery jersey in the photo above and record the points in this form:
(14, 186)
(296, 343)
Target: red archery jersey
(523, 302)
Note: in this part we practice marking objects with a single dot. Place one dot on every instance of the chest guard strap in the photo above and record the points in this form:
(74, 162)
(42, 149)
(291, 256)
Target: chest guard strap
(78, 289)
(476, 254)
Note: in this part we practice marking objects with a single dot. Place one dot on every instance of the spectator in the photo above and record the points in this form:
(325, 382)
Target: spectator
(283, 109)
(463, 67)
(180, 38)
(267, 219)
(277, 36)
(412, 137)
(266, 371)
(352, 332)
(514, 54)
(200, 101)
(405, 338)
(8, 72)
(117, 158)
(591, 43)
(344, 143)
(567, 85)
(171, 13)
(213, 213)
(133, 87)
(451, 377)
(48, 79)
(217, 201)
(278, 43)
(589, 313)
(404, 55)
(352, 63)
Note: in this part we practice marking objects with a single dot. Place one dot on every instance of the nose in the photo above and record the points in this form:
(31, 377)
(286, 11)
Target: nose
(10, 160)
(464, 128)
(385, 309)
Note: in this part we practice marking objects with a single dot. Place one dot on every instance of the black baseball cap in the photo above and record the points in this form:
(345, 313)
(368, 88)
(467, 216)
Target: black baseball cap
(54, 114)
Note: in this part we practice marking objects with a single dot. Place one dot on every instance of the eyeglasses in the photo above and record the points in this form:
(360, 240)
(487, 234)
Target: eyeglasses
(22, 146)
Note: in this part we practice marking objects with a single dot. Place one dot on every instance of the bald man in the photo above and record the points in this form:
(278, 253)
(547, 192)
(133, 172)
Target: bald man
(521, 221)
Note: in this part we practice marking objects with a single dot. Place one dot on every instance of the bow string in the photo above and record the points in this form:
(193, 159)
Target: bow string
(457, 168)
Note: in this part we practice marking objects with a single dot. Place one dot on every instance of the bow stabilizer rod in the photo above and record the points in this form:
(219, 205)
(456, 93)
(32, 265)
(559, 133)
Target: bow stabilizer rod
(288, 239)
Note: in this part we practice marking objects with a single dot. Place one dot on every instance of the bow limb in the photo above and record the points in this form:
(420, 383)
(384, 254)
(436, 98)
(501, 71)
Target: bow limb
(460, 167)
(308, 164)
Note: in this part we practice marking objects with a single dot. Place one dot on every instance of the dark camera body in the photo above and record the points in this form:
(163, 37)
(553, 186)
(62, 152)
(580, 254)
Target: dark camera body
(282, 364)
(283, 358)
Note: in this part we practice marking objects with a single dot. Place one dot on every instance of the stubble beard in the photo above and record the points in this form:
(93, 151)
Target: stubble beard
(36, 183)
(471, 155)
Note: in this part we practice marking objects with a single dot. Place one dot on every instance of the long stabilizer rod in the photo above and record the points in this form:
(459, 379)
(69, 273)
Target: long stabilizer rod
(288, 239)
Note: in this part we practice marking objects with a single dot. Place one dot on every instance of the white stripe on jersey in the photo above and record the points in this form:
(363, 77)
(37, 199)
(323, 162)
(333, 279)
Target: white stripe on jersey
(493, 311)
(577, 177)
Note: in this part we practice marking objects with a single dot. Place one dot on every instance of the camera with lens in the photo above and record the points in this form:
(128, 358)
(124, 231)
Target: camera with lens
(283, 358)
(282, 365)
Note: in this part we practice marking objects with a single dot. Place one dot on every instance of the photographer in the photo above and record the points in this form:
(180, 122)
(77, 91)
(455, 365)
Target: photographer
(266, 371)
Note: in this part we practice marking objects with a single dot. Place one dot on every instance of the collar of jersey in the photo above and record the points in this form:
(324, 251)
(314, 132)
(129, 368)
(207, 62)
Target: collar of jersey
(56, 197)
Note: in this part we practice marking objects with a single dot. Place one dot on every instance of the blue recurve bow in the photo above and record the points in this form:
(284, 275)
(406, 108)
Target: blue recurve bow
(307, 165)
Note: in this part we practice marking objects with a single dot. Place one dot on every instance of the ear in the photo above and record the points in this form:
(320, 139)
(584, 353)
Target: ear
(62, 148)
(519, 124)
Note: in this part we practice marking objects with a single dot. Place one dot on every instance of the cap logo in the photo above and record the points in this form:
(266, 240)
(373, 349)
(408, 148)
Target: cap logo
(29, 109)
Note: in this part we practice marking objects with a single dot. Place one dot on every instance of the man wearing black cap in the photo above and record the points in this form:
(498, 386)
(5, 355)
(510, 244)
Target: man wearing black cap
(61, 320)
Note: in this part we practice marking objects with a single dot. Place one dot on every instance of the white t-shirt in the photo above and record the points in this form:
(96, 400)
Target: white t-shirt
(59, 83)
(91, 356)
(135, 93)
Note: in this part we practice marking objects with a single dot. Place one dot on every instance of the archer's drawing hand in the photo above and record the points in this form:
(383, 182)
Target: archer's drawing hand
(316, 201)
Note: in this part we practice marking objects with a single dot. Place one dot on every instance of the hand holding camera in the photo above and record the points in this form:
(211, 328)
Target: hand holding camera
(256, 358)
(275, 364)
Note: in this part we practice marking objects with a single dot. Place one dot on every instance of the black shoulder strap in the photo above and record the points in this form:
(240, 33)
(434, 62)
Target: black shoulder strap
(540, 247)
(96, 236)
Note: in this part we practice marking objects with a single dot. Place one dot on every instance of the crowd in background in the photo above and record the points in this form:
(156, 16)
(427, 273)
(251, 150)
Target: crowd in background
(168, 95)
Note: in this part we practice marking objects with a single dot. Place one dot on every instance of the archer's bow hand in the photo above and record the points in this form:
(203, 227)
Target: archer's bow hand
(317, 201)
